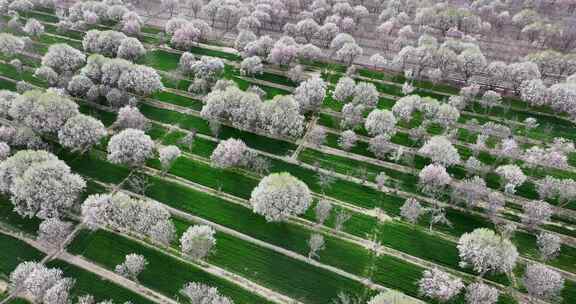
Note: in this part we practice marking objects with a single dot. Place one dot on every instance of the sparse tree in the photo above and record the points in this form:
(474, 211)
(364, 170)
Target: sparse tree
(162, 232)
(470, 191)
(380, 146)
(342, 216)
(316, 243)
(381, 180)
(322, 211)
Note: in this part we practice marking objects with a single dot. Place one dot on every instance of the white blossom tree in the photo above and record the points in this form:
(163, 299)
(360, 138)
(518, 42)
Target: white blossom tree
(59, 293)
(316, 136)
(447, 115)
(53, 232)
(279, 196)
(141, 80)
(33, 28)
(168, 155)
(486, 252)
(536, 213)
(44, 112)
(366, 94)
(10, 45)
(132, 266)
(439, 285)
(201, 293)
(121, 212)
(39, 184)
(251, 66)
(4, 151)
(512, 177)
(381, 122)
(186, 36)
(440, 150)
(281, 117)
(471, 62)
(63, 58)
(411, 210)
(433, 179)
(129, 117)
(310, 94)
(345, 89)
(198, 241)
(542, 282)
(480, 293)
(42, 284)
(229, 153)
(131, 49)
(549, 245)
(347, 140)
(81, 133)
(130, 147)
(348, 53)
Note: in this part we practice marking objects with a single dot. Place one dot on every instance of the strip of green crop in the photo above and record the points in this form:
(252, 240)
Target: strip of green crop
(102, 289)
(164, 274)
(13, 220)
(292, 237)
(14, 252)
